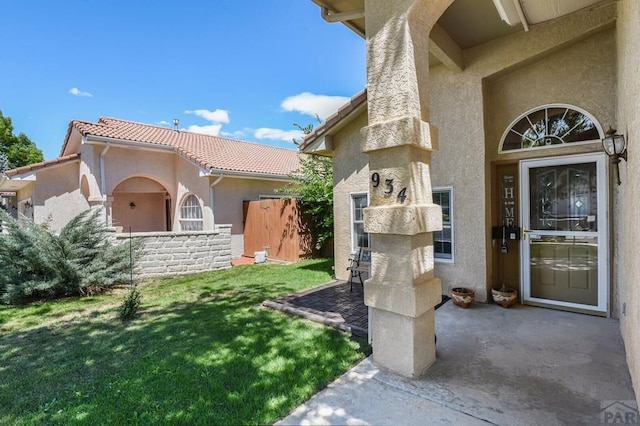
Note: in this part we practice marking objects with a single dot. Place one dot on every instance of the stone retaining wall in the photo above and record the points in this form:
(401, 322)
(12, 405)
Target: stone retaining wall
(174, 253)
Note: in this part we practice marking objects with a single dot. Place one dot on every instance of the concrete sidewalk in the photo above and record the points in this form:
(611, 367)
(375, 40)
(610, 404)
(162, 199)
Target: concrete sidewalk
(517, 366)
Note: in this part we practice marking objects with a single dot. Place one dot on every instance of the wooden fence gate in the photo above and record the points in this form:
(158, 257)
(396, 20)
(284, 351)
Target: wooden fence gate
(273, 226)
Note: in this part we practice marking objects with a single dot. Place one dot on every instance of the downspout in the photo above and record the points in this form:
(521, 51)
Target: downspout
(214, 183)
(103, 184)
(523, 18)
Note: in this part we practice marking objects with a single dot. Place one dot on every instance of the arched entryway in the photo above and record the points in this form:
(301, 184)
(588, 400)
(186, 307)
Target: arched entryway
(141, 204)
(550, 221)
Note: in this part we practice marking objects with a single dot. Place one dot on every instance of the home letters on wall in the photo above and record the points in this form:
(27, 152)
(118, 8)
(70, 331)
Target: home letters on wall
(508, 201)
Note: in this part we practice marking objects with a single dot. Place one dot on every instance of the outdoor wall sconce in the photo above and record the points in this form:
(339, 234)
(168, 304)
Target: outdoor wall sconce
(615, 146)
(132, 205)
(27, 204)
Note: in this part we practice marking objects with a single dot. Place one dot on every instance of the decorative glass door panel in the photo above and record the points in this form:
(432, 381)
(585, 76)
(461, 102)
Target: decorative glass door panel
(564, 217)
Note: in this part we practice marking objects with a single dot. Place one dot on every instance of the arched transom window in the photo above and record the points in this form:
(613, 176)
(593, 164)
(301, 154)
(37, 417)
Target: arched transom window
(191, 214)
(550, 126)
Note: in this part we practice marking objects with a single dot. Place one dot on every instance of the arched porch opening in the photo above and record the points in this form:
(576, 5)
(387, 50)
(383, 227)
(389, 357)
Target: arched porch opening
(141, 204)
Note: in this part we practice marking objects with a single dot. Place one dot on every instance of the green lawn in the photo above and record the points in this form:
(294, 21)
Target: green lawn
(201, 351)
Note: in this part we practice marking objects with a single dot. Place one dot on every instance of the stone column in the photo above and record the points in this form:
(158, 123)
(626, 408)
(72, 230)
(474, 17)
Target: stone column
(401, 216)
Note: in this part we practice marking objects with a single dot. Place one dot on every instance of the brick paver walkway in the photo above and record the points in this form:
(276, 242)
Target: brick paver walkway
(332, 304)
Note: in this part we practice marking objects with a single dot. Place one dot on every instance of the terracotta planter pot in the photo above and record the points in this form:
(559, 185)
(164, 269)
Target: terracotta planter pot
(462, 296)
(505, 298)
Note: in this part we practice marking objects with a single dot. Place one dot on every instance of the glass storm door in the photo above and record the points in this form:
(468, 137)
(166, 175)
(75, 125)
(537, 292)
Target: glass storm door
(564, 218)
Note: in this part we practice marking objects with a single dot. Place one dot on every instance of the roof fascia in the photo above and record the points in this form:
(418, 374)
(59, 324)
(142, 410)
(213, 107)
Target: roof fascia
(27, 176)
(70, 128)
(313, 142)
(242, 175)
(18, 182)
(145, 146)
(322, 145)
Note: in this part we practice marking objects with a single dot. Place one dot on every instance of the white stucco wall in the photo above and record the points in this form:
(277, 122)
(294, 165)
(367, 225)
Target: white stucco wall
(626, 196)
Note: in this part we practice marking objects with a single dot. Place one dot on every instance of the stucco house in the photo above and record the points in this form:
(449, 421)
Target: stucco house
(150, 179)
(475, 158)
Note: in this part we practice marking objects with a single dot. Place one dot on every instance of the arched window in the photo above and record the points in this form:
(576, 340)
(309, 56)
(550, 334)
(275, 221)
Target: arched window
(550, 126)
(191, 214)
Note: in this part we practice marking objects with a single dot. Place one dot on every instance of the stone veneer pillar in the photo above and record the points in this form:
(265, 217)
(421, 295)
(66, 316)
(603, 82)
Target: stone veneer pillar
(402, 290)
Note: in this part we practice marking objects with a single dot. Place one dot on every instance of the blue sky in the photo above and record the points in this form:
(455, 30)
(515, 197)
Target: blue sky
(246, 69)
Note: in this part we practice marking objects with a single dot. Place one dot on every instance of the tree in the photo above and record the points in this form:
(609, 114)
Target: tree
(4, 162)
(312, 186)
(79, 260)
(18, 149)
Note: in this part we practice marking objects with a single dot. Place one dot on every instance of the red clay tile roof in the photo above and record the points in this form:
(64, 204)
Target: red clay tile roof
(209, 152)
(42, 165)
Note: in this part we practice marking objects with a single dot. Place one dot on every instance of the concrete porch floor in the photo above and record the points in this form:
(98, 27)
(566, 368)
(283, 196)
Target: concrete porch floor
(516, 366)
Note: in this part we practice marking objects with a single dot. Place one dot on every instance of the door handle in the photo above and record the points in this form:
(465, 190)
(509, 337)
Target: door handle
(524, 232)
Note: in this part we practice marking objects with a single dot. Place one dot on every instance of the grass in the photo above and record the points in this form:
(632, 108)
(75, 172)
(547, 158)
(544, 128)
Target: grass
(201, 351)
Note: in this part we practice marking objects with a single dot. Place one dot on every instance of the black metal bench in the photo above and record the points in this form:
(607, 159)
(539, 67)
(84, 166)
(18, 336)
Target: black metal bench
(359, 263)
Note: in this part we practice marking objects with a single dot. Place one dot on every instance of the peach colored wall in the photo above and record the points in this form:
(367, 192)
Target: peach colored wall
(146, 178)
(90, 170)
(147, 216)
(188, 181)
(149, 205)
(55, 195)
(124, 163)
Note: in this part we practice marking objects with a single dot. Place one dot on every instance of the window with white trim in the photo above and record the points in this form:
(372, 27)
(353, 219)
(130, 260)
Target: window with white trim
(443, 240)
(359, 238)
(191, 214)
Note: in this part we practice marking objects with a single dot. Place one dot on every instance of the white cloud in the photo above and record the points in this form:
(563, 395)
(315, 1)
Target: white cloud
(213, 129)
(163, 122)
(238, 134)
(310, 104)
(77, 92)
(277, 134)
(217, 116)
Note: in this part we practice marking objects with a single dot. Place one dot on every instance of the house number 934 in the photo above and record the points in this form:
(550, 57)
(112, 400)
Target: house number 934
(387, 184)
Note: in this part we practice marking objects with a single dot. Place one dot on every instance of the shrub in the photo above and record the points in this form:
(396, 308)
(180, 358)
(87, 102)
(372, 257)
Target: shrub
(130, 305)
(80, 260)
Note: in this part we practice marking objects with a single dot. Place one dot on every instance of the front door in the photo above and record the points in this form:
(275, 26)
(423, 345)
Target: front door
(564, 218)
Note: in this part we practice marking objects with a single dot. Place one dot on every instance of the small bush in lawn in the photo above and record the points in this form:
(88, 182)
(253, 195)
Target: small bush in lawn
(130, 305)
(80, 260)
